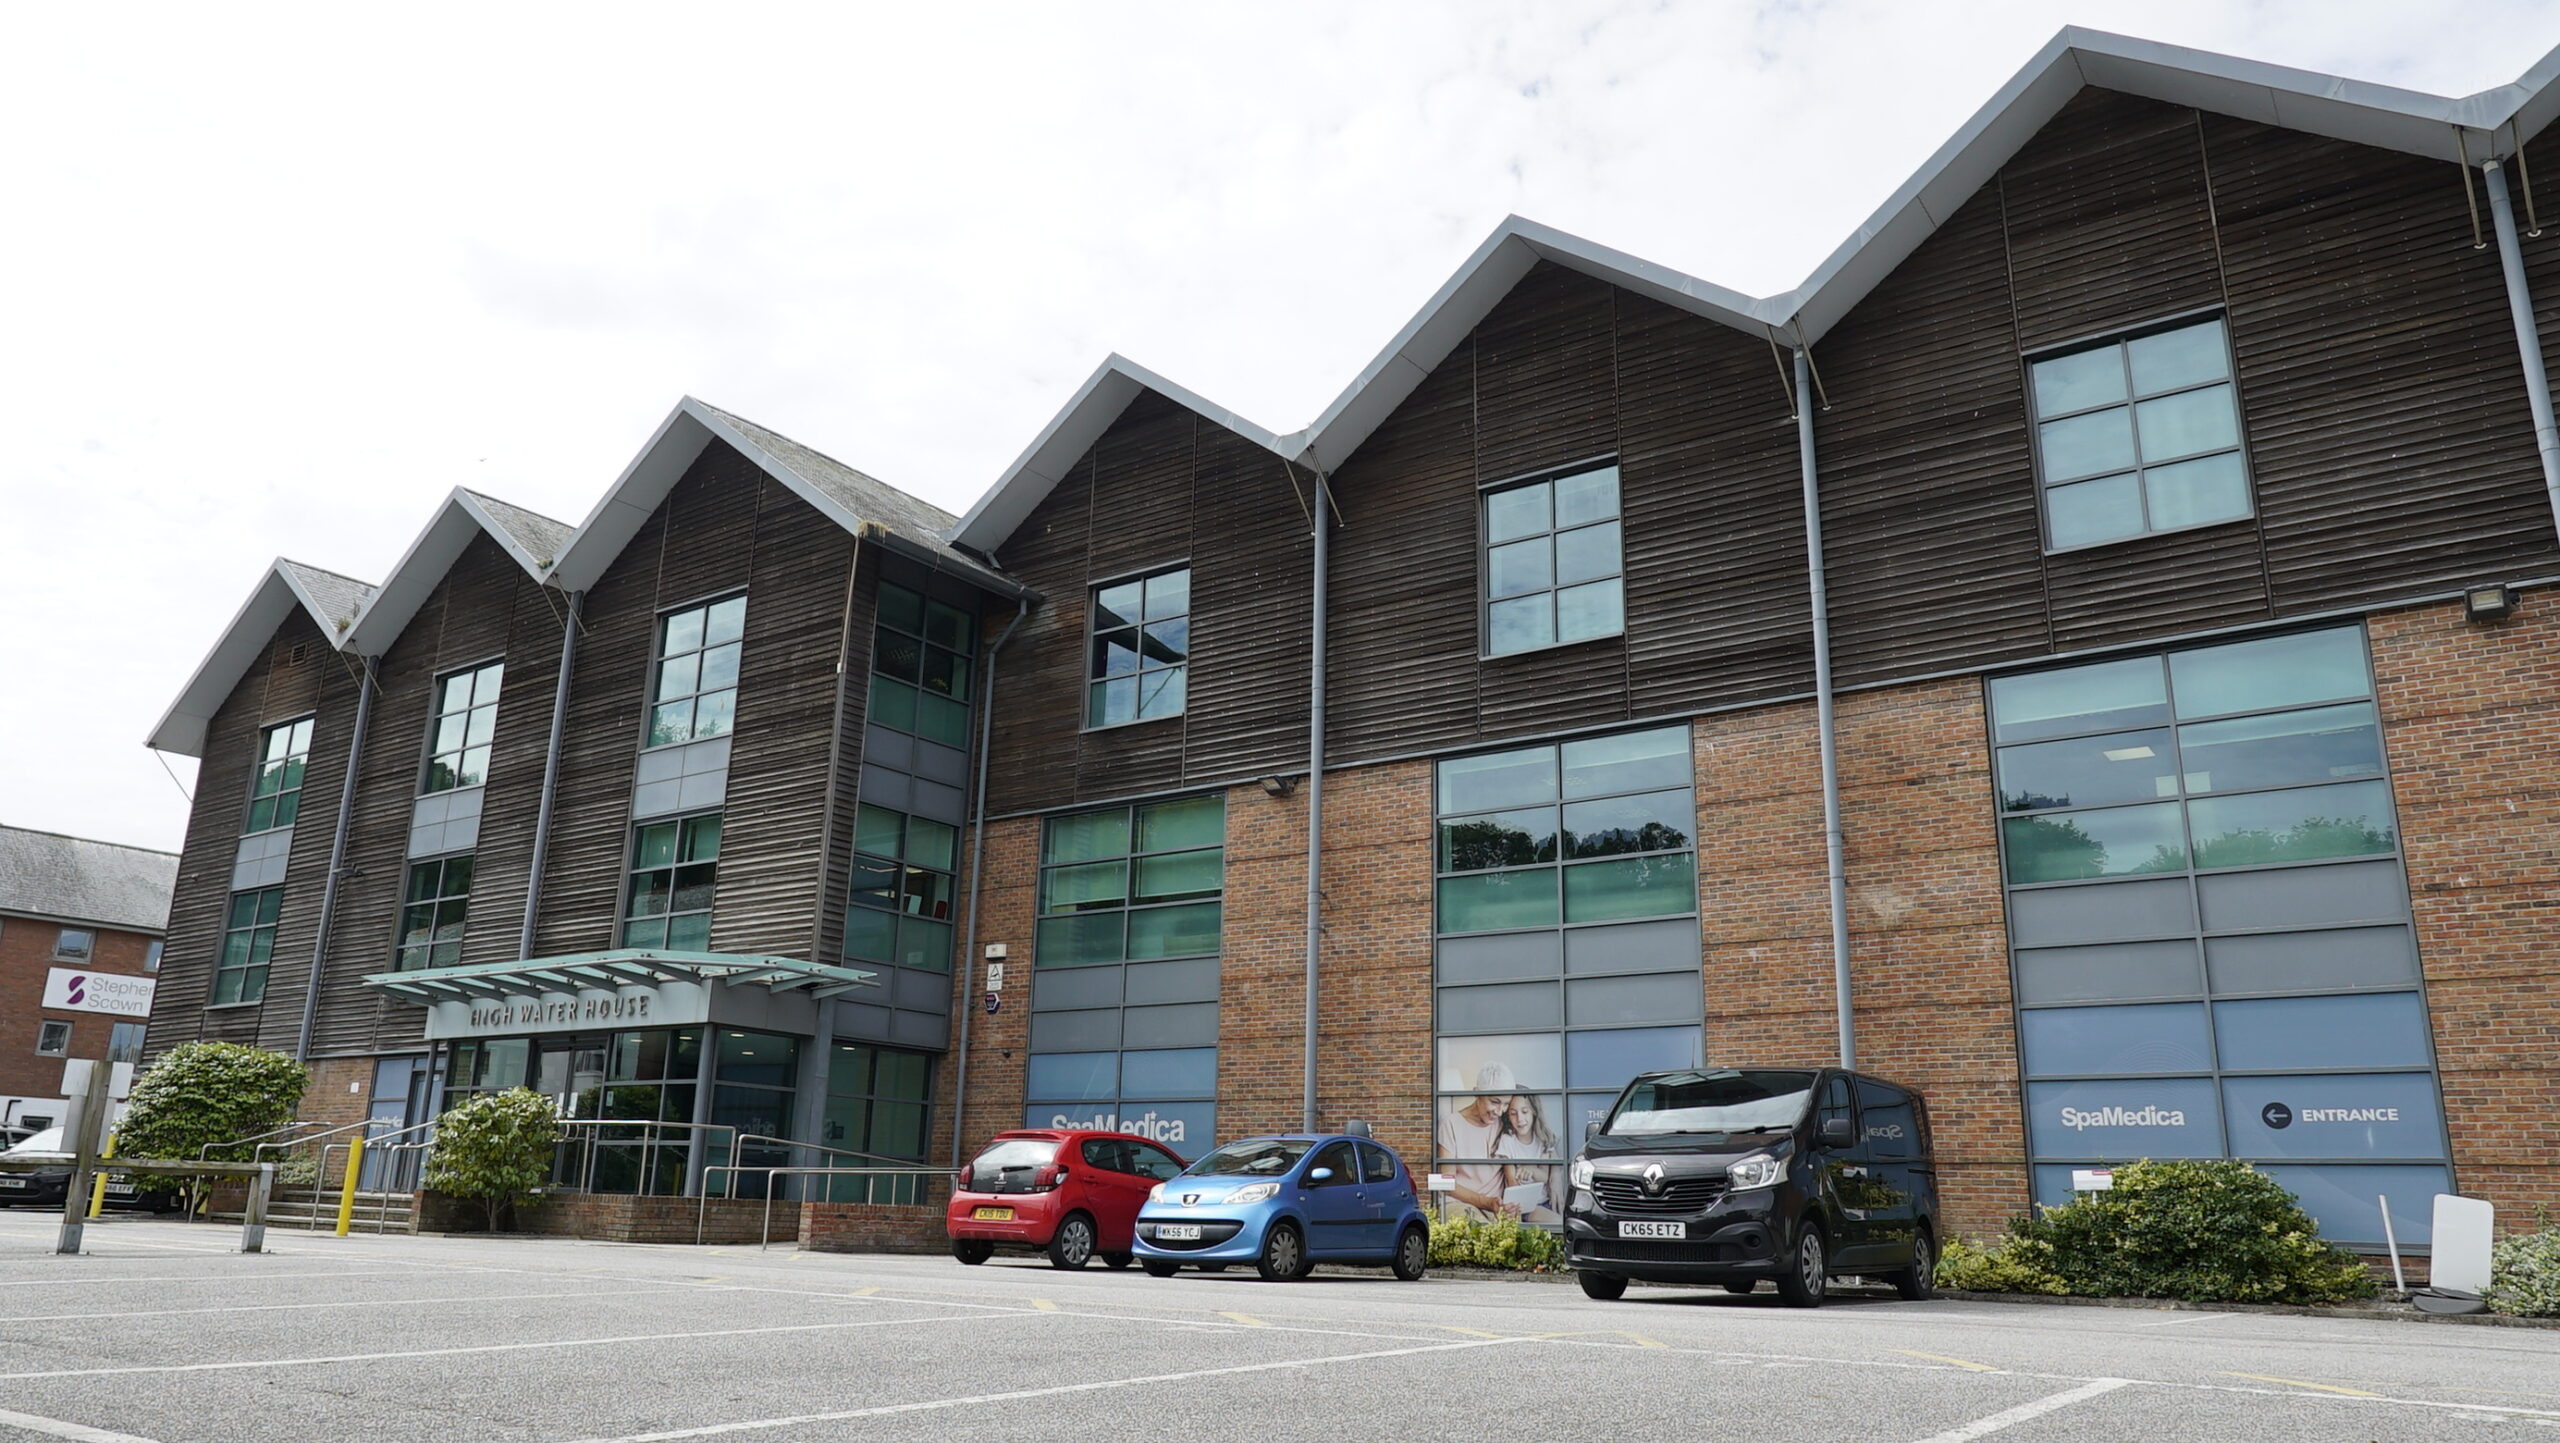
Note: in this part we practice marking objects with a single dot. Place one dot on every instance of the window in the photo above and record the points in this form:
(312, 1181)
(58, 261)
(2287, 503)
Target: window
(902, 889)
(673, 868)
(277, 793)
(1132, 884)
(466, 718)
(1552, 562)
(432, 914)
(74, 944)
(53, 1039)
(2139, 435)
(1140, 662)
(151, 959)
(124, 1042)
(697, 678)
(248, 941)
(920, 666)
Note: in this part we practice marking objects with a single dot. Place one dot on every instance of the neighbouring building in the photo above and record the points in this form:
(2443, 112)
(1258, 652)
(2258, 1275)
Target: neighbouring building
(2189, 557)
(81, 924)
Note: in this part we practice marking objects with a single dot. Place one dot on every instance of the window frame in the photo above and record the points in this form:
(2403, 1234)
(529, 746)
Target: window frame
(1485, 599)
(435, 722)
(253, 969)
(124, 1041)
(901, 865)
(2121, 338)
(878, 677)
(257, 768)
(657, 660)
(1087, 680)
(631, 871)
(1130, 903)
(47, 1028)
(88, 947)
(401, 948)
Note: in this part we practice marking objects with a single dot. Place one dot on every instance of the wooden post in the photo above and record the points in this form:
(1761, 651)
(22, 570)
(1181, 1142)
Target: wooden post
(253, 1218)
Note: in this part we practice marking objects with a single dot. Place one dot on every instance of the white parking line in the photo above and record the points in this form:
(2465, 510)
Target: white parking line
(56, 1428)
(474, 1298)
(2006, 1417)
(2190, 1318)
(546, 1344)
(979, 1400)
(114, 1282)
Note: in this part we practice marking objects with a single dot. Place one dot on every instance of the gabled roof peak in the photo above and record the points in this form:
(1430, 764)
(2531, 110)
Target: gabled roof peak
(332, 601)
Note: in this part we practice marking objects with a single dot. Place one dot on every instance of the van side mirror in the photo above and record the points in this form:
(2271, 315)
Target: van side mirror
(1590, 1130)
(1838, 1132)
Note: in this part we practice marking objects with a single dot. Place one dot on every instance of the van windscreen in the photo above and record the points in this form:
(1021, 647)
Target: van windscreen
(1721, 1101)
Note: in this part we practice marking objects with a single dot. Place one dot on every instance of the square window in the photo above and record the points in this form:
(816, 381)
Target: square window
(53, 1039)
(2139, 435)
(74, 944)
(1553, 553)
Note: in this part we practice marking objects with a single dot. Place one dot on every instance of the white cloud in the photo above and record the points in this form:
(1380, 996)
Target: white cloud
(274, 279)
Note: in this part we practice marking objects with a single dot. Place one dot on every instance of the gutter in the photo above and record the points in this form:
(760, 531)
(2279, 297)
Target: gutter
(366, 685)
(977, 871)
(550, 773)
(2537, 378)
(1834, 840)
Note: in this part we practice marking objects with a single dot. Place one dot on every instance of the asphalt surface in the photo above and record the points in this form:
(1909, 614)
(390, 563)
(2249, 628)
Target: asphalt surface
(163, 1333)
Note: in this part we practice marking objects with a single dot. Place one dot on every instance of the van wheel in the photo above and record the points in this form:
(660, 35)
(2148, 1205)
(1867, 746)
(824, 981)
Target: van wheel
(972, 1251)
(1072, 1245)
(1804, 1284)
(1413, 1255)
(1601, 1286)
(1118, 1260)
(1920, 1280)
(1284, 1255)
(1158, 1268)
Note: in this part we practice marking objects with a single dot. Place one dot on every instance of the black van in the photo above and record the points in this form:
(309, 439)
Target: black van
(1731, 1175)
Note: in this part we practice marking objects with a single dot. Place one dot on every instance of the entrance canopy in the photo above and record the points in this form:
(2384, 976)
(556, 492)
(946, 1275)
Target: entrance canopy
(629, 988)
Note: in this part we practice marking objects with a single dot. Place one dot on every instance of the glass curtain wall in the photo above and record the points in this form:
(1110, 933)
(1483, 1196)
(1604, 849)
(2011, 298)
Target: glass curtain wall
(1567, 955)
(2210, 925)
(879, 1103)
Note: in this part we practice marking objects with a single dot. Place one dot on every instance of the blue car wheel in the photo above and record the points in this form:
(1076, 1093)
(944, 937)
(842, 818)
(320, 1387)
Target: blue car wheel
(1284, 1254)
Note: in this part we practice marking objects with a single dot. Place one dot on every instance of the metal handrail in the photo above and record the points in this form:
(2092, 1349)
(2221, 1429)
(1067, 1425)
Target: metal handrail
(195, 1196)
(765, 1236)
(203, 1154)
(592, 1125)
(383, 1143)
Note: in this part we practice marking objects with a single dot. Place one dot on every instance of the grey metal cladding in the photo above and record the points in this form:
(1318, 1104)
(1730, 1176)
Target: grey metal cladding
(1059, 989)
(882, 787)
(2109, 970)
(1501, 957)
(1670, 945)
(933, 799)
(1190, 1024)
(920, 1029)
(1097, 1030)
(935, 762)
(2304, 896)
(2313, 961)
(1502, 1007)
(1193, 979)
(664, 764)
(2102, 912)
(259, 860)
(892, 749)
(923, 991)
(861, 1020)
(700, 791)
(1661, 997)
(657, 799)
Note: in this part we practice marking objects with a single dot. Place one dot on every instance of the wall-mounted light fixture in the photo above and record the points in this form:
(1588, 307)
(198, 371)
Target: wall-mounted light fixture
(1279, 786)
(2489, 603)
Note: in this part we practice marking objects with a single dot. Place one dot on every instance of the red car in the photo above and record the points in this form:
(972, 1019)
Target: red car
(1074, 1195)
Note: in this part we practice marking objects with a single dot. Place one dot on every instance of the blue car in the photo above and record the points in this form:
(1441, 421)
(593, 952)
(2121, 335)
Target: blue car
(1285, 1204)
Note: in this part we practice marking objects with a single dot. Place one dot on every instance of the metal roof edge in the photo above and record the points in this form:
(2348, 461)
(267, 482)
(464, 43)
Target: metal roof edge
(181, 728)
(423, 566)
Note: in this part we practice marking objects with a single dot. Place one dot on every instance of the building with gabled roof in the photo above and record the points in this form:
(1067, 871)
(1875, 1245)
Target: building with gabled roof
(80, 929)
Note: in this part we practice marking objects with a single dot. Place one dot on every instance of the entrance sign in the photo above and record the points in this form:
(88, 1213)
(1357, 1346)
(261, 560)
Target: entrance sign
(663, 1004)
(77, 989)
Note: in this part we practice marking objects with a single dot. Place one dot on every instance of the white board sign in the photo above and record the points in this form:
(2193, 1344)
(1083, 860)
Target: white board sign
(2460, 1243)
(2093, 1179)
(77, 989)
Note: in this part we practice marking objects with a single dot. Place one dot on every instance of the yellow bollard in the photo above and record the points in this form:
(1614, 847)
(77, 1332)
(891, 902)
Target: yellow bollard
(347, 1194)
(98, 1187)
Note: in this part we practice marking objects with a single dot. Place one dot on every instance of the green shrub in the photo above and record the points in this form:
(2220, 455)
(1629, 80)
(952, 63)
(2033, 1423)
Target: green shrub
(2010, 1265)
(2524, 1273)
(496, 1150)
(1508, 1243)
(2200, 1232)
(203, 1094)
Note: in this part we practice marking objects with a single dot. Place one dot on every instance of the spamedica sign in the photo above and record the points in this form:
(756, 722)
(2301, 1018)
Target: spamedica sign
(2151, 1117)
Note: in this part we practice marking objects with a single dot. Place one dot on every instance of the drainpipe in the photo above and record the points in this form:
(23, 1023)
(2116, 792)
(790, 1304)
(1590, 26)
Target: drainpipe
(337, 862)
(550, 774)
(2537, 380)
(977, 856)
(819, 1067)
(1818, 593)
(1315, 780)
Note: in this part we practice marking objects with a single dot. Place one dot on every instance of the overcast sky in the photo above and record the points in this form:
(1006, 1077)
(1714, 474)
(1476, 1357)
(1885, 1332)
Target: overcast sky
(273, 280)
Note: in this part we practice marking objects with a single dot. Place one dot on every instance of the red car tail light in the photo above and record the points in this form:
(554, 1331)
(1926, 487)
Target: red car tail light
(1048, 1176)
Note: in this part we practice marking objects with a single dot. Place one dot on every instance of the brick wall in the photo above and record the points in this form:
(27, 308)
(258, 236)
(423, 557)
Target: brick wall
(341, 1091)
(998, 1041)
(26, 959)
(871, 1228)
(1262, 967)
(615, 1218)
(2471, 716)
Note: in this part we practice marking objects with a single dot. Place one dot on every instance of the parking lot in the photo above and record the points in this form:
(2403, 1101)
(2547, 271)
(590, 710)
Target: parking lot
(164, 1333)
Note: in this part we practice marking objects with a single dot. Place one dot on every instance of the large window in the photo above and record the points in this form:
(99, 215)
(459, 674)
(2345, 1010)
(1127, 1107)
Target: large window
(920, 666)
(276, 795)
(432, 913)
(1139, 666)
(124, 1042)
(696, 684)
(1124, 1024)
(1552, 562)
(2138, 435)
(902, 889)
(248, 942)
(466, 719)
(1567, 957)
(879, 1104)
(674, 868)
(2210, 924)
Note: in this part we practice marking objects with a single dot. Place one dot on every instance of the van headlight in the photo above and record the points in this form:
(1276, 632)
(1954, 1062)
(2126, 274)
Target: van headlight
(1582, 1172)
(1756, 1171)
(1254, 1193)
